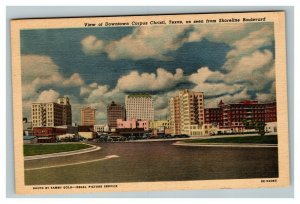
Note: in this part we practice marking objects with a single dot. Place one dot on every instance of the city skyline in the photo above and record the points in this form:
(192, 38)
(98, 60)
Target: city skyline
(124, 115)
(94, 68)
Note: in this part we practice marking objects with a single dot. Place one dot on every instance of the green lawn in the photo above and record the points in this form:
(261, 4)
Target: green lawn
(270, 139)
(30, 150)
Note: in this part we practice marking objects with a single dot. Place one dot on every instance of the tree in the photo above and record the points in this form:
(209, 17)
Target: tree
(259, 126)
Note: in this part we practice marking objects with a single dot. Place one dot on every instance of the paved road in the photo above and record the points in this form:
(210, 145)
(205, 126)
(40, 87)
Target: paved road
(154, 161)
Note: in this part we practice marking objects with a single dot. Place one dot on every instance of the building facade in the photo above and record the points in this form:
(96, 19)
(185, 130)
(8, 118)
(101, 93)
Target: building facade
(271, 127)
(139, 107)
(51, 114)
(270, 112)
(232, 116)
(214, 115)
(70, 129)
(160, 127)
(114, 112)
(48, 134)
(155, 124)
(88, 116)
(132, 124)
(186, 110)
(204, 130)
(66, 110)
(101, 128)
(174, 108)
(86, 131)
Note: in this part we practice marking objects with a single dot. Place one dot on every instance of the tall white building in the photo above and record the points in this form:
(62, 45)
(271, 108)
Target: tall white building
(186, 111)
(139, 107)
(191, 110)
(51, 114)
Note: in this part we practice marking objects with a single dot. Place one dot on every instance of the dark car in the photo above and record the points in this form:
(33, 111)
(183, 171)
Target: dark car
(182, 136)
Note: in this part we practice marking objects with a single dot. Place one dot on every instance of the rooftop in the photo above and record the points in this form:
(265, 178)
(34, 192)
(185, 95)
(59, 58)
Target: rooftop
(139, 95)
(88, 108)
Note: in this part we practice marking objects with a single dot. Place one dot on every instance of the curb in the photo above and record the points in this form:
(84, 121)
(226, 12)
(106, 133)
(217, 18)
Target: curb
(62, 154)
(225, 145)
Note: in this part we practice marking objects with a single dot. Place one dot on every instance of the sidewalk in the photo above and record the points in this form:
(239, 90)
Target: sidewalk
(62, 154)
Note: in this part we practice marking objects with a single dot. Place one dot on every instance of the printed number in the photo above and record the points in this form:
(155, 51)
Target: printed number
(268, 180)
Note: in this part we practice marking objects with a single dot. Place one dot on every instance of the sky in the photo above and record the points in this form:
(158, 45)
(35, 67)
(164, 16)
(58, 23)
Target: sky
(94, 66)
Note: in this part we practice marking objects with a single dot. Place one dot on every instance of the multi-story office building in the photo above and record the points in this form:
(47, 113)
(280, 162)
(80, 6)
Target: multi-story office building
(51, 114)
(186, 110)
(66, 110)
(114, 112)
(88, 116)
(139, 107)
(191, 110)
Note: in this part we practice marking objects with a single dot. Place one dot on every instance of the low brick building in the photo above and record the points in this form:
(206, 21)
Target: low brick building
(47, 134)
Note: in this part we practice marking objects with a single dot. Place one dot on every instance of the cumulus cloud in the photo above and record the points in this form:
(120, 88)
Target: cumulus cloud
(91, 45)
(47, 96)
(148, 42)
(236, 85)
(159, 81)
(156, 41)
(39, 71)
(256, 68)
(253, 41)
(97, 98)
(142, 43)
(39, 67)
(97, 93)
(265, 97)
(211, 88)
(161, 104)
(74, 80)
(41, 80)
(86, 89)
(229, 98)
(249, 66)
(217, 32)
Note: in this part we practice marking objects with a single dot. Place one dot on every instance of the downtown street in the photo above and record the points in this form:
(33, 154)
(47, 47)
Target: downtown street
(153, 161)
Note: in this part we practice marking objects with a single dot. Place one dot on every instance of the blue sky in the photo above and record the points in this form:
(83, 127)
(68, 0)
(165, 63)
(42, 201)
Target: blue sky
(93, 66)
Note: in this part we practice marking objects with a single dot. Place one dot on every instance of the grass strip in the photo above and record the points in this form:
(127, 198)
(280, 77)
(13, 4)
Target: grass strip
(31, 150)
(270, 139)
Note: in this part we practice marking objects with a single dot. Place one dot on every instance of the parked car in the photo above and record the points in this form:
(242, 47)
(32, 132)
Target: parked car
(132, 137)
(182, 136)
(146, 136)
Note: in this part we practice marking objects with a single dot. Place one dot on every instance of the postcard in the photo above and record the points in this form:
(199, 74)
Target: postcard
(150, 103)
